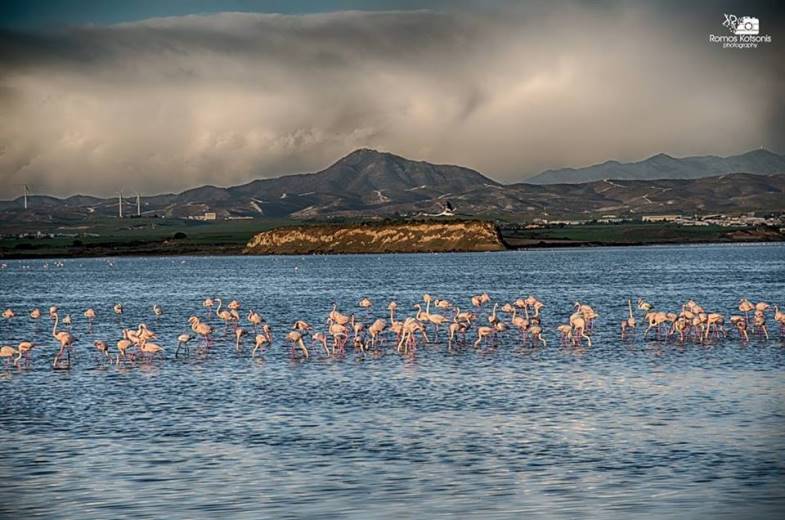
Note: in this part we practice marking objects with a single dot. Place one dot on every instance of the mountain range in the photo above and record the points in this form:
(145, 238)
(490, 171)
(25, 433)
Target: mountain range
(663, 166)
(368, 183)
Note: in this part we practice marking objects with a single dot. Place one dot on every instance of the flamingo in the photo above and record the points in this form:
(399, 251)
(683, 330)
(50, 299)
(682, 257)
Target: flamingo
(339, 334)
(337, 317)
(578, 323)
(492, 319)
(296, 339)
(644, 305)
(66, 340)
(442, 304)
(365, 303)
(759, 323)
(717, 320)
(52, 312)
(779, 317)
(24, 349)
(90, 315)
(208, 304)
(223, 315)
(102, 347)
(630, 322)
(535, 330)
(522, 324)
(239, 333)
(182, 341)
(255, 319)
(267, 332)
(741, 325)
(455, 328)
(35, 313)
(8, 352)
(144, 333)
(483, 333)
(201, 328)
(150, 349)
(746, 306)
(358, 327)
(8, 313)
(565, 330)
(437, 320)
(122, 347)
(376, 328)
(158, 311)
(655, 319)
(427, 298)
(421, 314)
(411, 326)
(260, 341)
(302, 326)
(118, 310)
(320, 338)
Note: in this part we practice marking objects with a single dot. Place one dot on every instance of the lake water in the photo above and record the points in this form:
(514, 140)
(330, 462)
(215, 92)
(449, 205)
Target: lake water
(636, 428)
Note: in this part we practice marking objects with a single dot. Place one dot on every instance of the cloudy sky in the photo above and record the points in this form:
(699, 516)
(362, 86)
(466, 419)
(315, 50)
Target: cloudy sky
(161, 96)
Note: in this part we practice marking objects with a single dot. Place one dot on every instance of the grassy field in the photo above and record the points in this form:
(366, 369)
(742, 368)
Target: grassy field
(632, 233)
(138, 236)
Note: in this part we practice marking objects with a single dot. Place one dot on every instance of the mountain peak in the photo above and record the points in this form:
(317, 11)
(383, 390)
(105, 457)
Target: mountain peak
(661, 157)
(362, 154)
(759, 152)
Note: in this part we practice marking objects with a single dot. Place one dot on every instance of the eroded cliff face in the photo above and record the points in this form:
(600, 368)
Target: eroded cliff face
(415, 237)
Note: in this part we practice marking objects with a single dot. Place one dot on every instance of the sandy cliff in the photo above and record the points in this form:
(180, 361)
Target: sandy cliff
(412, 237)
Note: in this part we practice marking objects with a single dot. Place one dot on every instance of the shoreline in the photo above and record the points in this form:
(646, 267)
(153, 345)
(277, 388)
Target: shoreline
(224, 251)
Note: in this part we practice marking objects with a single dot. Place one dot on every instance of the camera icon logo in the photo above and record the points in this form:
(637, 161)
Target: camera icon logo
(747, 25)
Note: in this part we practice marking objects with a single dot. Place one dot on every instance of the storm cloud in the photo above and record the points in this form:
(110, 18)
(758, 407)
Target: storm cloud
(165, 104)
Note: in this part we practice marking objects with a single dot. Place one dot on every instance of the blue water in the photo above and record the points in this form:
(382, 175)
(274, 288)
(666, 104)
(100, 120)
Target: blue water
(637, 428)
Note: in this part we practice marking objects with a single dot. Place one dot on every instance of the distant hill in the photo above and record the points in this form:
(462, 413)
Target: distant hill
(663, 166)
(367, 183)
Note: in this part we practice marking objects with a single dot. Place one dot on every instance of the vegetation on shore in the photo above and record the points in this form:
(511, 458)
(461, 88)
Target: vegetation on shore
(416, 236)
(156, 236)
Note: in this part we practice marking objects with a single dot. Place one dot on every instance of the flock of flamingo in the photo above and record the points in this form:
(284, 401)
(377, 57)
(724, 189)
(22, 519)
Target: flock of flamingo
(480, 324)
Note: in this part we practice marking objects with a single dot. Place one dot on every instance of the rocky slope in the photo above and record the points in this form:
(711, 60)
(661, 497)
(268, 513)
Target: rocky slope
(412, 237)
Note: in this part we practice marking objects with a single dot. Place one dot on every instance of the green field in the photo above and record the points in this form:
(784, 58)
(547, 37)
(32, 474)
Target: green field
(630, 233)
(108, 236)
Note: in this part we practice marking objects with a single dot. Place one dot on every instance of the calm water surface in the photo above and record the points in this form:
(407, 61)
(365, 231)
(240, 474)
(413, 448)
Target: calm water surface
(636, 428)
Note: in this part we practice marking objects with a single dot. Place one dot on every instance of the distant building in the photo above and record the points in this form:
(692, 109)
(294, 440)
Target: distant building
(660, 218)
(208, 215)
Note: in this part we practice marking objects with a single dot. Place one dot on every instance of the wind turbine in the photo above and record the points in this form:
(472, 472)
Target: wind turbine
(26, 193)
(138, 205)
(120, 204)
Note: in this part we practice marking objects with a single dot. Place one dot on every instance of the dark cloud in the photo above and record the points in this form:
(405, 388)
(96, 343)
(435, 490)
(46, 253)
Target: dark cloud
(163, 104)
